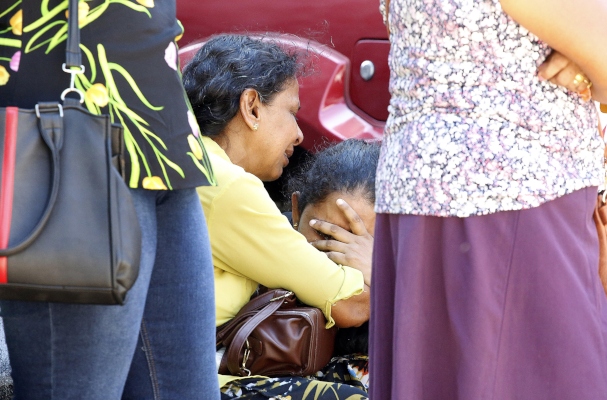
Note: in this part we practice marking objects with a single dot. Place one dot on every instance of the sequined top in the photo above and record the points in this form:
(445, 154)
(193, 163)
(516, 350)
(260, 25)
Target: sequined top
(472, 130)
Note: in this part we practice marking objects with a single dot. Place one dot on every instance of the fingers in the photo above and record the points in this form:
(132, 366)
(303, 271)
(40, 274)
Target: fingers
(572, 79)
(561, 71)
(584, 92)
(347, 248)
(330, 246)
(356, 223)
(566, 79)
(552, 66)
(338, 258)
(331, 230)
(357, 226)
(358, 257)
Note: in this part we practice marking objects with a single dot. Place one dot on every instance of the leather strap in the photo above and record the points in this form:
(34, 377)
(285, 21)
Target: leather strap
(236, 347)
(253, 306)
(51, 130)
(72, 50)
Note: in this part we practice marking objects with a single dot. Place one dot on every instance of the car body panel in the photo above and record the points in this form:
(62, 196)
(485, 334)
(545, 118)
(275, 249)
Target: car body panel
(371, 96)
(331, 32)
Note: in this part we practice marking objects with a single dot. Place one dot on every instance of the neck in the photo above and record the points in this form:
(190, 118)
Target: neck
(232, 141)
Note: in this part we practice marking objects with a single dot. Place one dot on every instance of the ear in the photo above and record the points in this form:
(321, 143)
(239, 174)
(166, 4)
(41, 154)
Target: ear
(249, 108)
(295, 210)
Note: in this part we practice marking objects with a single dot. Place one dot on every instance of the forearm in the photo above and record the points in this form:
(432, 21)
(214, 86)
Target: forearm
(353, 311)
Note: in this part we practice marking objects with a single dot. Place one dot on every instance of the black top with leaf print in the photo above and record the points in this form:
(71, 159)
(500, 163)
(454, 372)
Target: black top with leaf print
(131, 73)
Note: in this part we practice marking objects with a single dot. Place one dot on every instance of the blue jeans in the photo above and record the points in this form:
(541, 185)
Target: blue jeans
(69, 351)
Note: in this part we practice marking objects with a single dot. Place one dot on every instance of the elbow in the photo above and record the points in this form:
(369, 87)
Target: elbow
(350, 320)
(352, 312)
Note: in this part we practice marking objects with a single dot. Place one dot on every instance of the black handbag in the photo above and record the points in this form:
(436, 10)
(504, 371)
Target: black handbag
(68, 227)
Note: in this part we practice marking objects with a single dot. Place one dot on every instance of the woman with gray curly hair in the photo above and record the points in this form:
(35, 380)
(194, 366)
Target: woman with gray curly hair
(245, 95)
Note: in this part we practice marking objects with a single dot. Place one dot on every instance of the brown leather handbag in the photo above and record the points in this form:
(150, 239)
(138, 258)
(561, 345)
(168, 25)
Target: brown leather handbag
(274, 336)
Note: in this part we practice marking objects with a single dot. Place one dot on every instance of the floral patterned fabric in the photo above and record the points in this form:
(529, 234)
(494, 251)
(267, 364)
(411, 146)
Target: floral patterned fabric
(472, 130)
(344, 377)
(352, 369)
(289, 388)
(163, 142)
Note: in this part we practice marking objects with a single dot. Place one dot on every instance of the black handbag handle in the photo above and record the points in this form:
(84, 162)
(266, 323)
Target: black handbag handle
(51, 129)
(72, 49)
(235, 366)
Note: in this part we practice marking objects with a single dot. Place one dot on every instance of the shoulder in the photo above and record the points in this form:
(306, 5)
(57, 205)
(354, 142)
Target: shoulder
(230, 179)
(229, 176)
(237, 192)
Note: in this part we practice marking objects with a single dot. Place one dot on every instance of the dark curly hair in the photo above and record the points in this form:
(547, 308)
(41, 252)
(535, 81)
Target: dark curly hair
(226, 66)
(345, 167)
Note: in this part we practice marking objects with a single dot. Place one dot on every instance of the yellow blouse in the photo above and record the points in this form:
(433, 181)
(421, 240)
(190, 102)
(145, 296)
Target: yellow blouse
(253, 243)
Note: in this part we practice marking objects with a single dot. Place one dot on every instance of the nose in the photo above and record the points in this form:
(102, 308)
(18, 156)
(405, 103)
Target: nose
(300, 137)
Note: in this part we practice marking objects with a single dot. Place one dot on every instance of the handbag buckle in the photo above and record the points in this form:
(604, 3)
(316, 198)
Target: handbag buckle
(58, 105)
(245, 358)
(284, 296)
(72, 88)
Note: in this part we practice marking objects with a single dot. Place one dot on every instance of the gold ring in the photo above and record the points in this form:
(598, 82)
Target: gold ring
(579, 78)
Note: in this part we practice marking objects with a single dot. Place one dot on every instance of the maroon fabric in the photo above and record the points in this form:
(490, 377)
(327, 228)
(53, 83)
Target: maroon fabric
(503, 306)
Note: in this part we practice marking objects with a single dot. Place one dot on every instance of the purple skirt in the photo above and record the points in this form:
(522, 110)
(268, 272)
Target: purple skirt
(504, 306)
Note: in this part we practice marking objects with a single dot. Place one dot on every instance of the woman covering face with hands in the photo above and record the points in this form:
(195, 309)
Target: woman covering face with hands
(244, 93)
(332, 201)
(341, 200)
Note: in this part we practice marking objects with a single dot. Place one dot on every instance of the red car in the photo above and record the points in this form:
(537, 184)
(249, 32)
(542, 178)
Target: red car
(346, 95)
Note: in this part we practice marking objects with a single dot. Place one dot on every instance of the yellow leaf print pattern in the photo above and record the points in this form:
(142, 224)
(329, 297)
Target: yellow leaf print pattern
(195, 147)
(146, 3)
(83, 11)
(16, 22)
(316, 389)
(97, 94)
(153, 183)
(4, 75)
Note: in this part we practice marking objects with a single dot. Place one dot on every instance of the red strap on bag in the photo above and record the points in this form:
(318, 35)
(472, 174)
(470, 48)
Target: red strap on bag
(7, 184)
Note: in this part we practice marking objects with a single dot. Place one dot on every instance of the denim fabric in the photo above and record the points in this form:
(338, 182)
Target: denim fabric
(68, 351)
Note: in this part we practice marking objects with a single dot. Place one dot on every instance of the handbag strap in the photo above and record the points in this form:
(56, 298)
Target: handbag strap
(224, 332)
(240, 339)
(73, 58)
(51, 131)
(72, 49)
(51, 125)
